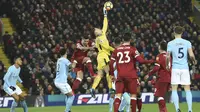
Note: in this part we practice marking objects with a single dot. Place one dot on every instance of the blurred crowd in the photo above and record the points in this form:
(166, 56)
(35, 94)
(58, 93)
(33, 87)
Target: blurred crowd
(45, 26)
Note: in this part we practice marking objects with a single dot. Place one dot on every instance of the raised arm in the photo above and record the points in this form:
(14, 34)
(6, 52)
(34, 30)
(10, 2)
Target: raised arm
(105, 25)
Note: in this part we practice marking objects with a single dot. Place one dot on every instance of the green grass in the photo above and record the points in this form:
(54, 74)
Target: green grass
(104, 108)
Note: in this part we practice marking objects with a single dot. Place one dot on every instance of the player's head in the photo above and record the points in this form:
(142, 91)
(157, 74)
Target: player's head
(18, 61)
(117, 42)
(63, 52)
(85, 40)
(97, 32)
(178, 30)
(127, 37)
(163, 46)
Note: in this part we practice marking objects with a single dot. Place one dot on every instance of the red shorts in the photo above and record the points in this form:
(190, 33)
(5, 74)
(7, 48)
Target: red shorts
(126, 84)
(79, 65)
(161, 89)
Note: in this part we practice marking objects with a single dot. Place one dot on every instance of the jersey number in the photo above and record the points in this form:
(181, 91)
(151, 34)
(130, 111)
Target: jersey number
(180, 53)
(121, 56)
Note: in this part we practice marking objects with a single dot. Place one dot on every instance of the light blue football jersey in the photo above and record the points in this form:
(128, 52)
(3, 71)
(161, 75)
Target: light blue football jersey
(62, 69)
(179, 50)
(12, 76)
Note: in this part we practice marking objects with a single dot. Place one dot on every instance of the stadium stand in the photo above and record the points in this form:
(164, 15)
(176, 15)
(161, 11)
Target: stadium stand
(45, 26)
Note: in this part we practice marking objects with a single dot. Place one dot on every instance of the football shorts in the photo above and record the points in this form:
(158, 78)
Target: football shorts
(102, 60)
(63, 87)
(180, 76)
(9, 91)
(161, 89)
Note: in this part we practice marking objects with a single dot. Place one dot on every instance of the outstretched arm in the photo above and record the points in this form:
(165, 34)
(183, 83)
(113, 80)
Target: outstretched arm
(154, 70)
(143, 61)
(105, 21)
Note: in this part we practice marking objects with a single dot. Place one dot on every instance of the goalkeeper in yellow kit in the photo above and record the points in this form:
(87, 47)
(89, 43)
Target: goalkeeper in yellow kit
(104, 50)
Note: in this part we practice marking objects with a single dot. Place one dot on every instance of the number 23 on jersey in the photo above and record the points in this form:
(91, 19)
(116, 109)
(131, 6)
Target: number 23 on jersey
(124, 57)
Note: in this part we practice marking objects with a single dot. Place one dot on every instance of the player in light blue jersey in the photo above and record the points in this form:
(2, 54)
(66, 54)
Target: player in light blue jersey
(62, 69)
(11, 88)
(179, 49)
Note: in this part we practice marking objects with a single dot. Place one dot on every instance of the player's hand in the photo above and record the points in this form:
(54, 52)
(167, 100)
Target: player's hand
(146, 77)
(13, 88)
(105, 12)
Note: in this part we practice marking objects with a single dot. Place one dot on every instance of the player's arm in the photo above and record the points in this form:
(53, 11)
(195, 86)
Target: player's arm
(70, 65)
(79, 46)
(191, 54)
(19, 79)
(154, 70)
(168, 56)
(6, 77)
(140, 59)
(105, 22)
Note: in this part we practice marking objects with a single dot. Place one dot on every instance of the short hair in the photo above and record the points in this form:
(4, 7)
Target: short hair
(127, 37)
(178, 30)
(63, 51)
(117, 41)
(163, 45)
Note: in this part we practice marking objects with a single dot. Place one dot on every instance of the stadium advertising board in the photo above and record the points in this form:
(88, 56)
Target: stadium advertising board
(5, 102)
(86, 99)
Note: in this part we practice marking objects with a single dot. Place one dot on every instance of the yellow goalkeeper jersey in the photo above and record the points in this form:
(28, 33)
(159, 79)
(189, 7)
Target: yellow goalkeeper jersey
(101, 41)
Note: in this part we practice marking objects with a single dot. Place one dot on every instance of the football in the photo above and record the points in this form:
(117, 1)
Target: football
(108, 5)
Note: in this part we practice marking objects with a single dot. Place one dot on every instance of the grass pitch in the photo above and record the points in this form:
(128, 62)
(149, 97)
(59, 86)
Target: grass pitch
(104, 108)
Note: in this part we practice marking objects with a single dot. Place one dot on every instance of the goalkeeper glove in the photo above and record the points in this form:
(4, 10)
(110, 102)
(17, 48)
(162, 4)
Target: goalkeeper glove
(105, 11)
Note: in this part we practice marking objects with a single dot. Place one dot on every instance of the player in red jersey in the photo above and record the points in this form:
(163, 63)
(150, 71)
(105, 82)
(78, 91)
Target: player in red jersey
(125, 57)
(164, 77)
(80, 57)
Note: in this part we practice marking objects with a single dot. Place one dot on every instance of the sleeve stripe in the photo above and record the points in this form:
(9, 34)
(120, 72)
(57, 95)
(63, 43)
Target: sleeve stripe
(157, 64)
(136, 56)
(113, 58)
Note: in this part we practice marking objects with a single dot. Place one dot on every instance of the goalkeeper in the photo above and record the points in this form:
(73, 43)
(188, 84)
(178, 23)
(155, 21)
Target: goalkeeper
(104, 50)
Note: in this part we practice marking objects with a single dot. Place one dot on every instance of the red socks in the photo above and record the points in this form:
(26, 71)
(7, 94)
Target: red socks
(139, 104)
(133, 104)
(162, 106)
(90, 68)
(116, 104)
(76, 84)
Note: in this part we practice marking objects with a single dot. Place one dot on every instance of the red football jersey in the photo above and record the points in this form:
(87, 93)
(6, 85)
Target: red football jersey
(81, 53)
(124, 56)
(163, 74)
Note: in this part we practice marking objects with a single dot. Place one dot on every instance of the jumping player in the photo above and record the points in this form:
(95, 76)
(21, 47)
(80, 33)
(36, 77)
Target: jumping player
(164, 77)
(80, 58)
(104, 50)
(62, 69)
(125, 57)
(179, 49)
(10, 87)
